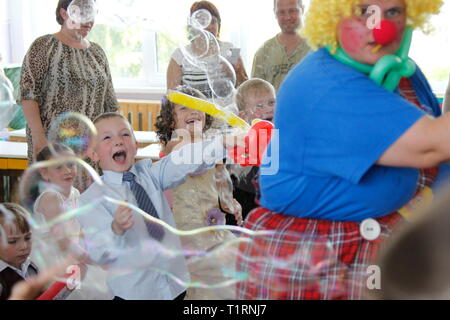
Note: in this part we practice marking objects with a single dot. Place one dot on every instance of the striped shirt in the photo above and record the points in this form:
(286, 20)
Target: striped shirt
(192, 75)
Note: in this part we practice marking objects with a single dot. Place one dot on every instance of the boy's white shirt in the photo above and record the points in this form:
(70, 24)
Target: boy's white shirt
(24, 270)
(135, 249)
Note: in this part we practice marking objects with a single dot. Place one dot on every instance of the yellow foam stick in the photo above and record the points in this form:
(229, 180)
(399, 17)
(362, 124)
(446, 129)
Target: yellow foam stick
(208, 108)
(377, 48)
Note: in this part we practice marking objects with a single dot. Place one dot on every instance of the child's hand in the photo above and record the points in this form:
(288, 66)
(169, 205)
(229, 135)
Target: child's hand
(123, 220)
(236, 209)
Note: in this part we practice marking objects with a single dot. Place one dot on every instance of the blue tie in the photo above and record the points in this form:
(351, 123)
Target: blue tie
(145, 204)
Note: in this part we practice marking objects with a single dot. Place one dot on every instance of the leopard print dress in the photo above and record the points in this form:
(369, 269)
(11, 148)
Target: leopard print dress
(64, 79)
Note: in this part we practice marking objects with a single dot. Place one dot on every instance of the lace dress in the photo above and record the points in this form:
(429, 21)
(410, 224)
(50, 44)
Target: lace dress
(196, 205)
(47, 253)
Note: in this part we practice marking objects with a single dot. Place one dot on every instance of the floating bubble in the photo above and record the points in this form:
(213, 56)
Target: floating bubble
(200, 19)
(72, 130)
(82, 11)
(222, 79)
(200, 48)
(7, 107)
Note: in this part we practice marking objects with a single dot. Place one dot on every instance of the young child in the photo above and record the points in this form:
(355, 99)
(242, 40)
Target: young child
(202, 200)
(122, 239)
(55, 200)
(15, 248)
(255, 99)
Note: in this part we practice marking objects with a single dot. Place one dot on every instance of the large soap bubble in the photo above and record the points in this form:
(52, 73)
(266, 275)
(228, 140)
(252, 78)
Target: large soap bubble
(73, 130)
(222, 78)
(200, 19)
(82, 11)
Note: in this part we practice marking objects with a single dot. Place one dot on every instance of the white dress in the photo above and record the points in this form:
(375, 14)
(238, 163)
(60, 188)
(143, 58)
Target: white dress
(195, 205)
(47, 252)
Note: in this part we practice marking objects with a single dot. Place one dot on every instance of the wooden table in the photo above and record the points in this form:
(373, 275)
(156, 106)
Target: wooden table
(13, 161)
(143, 138)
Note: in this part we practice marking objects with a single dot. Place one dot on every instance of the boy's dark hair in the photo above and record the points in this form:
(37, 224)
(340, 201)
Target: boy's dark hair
(19, 216)
(46, 152)
(166, 120)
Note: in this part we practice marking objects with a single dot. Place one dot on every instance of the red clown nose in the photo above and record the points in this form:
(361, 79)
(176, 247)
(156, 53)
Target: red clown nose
(386, 34)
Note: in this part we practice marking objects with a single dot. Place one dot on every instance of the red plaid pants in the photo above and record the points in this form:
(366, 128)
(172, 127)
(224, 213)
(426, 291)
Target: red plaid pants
(305, 258)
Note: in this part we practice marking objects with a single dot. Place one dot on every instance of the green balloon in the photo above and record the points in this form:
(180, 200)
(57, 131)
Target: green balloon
(388, 71)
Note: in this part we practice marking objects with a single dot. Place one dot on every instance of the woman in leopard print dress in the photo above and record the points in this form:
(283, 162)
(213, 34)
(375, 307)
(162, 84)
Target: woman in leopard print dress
(61, 73)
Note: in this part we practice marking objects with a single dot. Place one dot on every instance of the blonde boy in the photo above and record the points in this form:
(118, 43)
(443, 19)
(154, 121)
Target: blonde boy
(255, 99)
(121, 239)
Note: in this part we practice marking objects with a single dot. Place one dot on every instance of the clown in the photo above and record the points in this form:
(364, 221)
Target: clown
(361, 142)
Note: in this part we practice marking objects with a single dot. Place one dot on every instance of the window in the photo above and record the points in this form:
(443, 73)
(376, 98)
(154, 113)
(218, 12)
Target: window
(432, 51)
(140, 42)
(139, 36)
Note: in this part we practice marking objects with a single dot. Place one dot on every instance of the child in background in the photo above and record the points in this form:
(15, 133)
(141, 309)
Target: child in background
(205, 197)
(15, 248)
(255, 99)
(50, 204)
(121, 235)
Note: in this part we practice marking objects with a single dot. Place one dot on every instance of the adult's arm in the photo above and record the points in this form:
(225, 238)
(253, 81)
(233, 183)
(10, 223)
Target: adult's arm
(172, 170)
(111, 103)
(425, 144)
(241, 74)
(174, 74)
(33, 117)
(34, 72)
(446, 104)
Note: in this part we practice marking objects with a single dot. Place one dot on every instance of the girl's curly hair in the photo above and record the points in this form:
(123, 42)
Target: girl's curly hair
(166, 120)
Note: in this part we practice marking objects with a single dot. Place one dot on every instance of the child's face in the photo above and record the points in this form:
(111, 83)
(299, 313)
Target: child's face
(116, 146)
(189, 119)
(17, 247)
(259, 105)
(62, 175)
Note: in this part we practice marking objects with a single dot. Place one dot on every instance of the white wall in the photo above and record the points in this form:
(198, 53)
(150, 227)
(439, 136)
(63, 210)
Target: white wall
(4, 27)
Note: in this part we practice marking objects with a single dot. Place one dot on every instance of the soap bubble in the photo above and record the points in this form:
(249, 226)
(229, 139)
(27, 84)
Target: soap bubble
(200, 19)
(82, 11)
(73, 130)
(201, 48)
(222, 79)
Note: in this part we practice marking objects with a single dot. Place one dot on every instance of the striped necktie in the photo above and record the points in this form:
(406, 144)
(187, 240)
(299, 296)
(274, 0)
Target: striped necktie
(144, 203)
